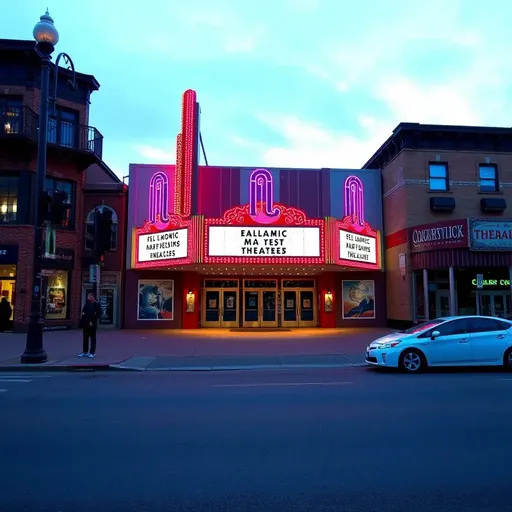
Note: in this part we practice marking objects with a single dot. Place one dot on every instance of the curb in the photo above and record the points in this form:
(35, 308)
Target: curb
(120, 368)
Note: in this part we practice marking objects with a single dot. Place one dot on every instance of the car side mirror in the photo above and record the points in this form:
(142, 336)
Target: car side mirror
(434, 335)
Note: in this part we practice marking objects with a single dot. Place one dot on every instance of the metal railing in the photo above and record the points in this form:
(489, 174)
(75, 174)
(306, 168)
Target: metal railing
(24, 122)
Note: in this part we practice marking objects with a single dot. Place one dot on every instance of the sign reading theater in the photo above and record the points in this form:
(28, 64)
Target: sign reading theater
(167, 245)
(290, 242)
(263, 231)
(165, 239)
(357, 243)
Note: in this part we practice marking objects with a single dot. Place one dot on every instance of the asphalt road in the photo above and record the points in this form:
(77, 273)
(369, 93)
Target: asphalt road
(320, 440)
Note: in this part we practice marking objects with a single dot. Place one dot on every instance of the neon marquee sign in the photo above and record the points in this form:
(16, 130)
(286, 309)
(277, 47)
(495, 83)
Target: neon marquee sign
(357, 243)
(264, 231)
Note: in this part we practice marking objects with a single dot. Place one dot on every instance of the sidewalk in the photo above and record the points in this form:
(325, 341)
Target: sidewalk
(200, 350)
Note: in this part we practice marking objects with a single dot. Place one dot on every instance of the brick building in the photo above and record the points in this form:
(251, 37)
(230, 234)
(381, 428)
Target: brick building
(103, 189)
(73, 147)
(447, 192)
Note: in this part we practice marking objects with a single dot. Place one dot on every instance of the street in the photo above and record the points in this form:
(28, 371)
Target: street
(343, 440)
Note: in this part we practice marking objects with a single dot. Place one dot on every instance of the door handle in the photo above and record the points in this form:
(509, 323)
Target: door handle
(465, 340)
(500, 336)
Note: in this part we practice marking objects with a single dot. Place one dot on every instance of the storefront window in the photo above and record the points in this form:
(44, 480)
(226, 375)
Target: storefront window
(57, 296)
(438, 294)
(419, 301)
(8, 289)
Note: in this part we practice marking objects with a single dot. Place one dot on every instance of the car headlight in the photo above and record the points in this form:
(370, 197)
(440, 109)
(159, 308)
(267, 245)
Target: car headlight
(389, 344)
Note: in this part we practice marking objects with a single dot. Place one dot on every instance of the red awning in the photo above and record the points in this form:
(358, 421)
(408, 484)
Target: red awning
(460, 258)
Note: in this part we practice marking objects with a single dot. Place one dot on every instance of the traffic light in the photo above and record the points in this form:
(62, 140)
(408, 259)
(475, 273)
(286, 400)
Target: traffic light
(45, 204)
(59, 208)
(102, 232)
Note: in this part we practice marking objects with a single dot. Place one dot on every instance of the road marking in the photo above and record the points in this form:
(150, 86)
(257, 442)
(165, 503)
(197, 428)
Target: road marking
(3, 390)
(504, 379)
(277, 384)
(15, 380)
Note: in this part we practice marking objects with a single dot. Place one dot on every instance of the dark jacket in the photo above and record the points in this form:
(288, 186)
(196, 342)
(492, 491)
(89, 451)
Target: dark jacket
(5, 310)
(91, 313)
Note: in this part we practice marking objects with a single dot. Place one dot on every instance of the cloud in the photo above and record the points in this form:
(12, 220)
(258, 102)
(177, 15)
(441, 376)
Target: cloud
(310, 144)
(156, 154)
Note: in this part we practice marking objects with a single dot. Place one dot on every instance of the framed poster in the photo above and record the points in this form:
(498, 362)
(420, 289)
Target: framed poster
(156, 299)
(358, 300)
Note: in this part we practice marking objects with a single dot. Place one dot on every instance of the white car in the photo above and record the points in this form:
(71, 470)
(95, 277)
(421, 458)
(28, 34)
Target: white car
(448, 341)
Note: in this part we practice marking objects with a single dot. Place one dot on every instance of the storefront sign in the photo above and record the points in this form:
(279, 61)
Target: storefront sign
(491, 282)
(354, 247)
(62, 259)
(490, 235)
(8, 254)
(441, 235)
(166, 245)
(261, 242)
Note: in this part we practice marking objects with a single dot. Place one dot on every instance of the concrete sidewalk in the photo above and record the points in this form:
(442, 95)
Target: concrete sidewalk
(199, 350)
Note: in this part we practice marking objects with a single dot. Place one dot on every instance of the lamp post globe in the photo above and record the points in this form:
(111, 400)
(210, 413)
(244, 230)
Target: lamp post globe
(45, 31)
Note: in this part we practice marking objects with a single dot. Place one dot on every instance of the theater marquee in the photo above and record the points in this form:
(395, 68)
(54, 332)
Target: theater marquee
(263, 231)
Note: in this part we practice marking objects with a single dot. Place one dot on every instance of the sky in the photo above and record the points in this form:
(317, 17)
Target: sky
(282, 83)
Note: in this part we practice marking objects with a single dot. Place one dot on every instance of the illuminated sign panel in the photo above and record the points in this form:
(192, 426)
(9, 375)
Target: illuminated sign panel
(263, 231)
(166, 245)
(357, 243)
(355, 247)
(263, 242)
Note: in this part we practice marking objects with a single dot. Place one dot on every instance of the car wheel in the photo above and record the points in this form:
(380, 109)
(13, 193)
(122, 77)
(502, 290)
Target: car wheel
(507, 360)
(412, 361)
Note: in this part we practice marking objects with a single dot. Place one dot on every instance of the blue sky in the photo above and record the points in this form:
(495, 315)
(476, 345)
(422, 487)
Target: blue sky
(295, 83)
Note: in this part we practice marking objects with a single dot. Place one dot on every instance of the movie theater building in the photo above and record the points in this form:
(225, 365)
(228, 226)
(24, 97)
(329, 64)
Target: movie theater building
(447, 192)
(239, 248)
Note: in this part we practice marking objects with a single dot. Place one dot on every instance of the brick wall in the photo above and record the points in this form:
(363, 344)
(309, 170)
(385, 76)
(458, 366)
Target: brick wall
(406, 204)
(23, 235)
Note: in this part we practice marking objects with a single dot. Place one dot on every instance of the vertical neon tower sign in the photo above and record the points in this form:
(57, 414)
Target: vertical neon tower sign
(261, 197)
(354, 201)
(186, 154)
(159, 198)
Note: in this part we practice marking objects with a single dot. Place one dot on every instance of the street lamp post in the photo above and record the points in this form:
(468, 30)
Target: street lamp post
(46, 37)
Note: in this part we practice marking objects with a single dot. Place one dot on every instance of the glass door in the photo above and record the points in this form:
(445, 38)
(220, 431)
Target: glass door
(251, 308)
(289, 309)
(307, 311)
(268, 300)
(220, 308)
(211, 308)
(229, 312)
(499, 304)
(443, 303)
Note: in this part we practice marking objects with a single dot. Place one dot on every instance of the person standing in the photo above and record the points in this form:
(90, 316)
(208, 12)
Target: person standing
(5, 314)
(91, 312)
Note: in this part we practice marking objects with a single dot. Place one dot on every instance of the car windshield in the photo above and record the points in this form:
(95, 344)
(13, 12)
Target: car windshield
(423, 327)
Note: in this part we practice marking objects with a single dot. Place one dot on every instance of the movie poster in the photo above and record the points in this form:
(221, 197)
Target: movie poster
(155, 299)
(358, 300)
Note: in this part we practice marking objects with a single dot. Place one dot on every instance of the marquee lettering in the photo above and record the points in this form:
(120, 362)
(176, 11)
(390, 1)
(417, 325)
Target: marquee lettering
(354, 200)
(261, 194)
(159, 198)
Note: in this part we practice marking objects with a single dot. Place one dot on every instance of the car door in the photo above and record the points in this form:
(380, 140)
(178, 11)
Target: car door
(452, 347)
(489, 339)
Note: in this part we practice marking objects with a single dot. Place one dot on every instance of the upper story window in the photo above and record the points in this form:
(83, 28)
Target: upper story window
(54, 185)
(489, 178)
(9, 186)
(63, 127)
(438, 176)
(10, 114)
(89, 229)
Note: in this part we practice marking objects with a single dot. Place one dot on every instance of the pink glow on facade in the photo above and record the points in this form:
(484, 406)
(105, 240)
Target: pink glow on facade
(159, 199)
(354, 201)
(261, 197)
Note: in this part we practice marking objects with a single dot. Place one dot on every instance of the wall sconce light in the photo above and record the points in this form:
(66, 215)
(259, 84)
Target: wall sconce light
(328, 301)
(191, 302)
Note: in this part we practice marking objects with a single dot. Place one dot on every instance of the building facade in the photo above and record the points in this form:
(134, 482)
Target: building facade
(264, 248)
(447, 192)
(246, 248)
(104, 189)
(73, 146)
